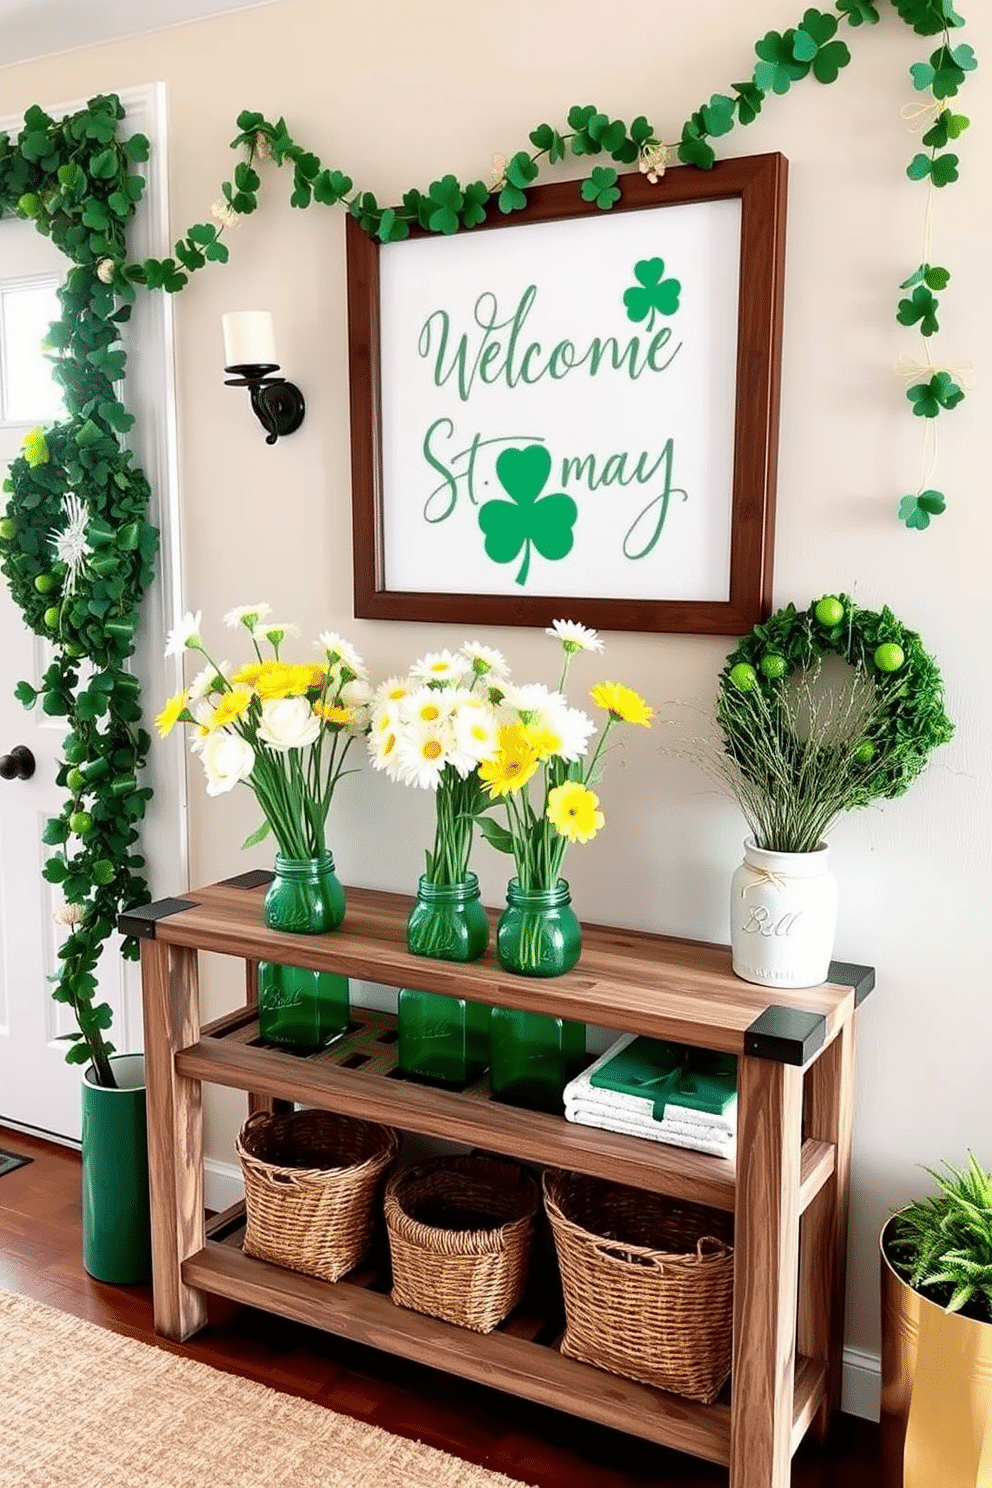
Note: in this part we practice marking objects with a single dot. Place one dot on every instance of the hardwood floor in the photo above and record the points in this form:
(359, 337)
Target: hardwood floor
(40, 1257)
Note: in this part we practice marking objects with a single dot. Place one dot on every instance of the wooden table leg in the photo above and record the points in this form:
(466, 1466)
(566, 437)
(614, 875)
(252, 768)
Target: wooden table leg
(766, 1259)
(829, 1105)
(170, 994)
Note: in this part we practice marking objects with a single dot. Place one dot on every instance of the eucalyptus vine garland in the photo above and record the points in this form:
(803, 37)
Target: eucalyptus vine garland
(75, 544)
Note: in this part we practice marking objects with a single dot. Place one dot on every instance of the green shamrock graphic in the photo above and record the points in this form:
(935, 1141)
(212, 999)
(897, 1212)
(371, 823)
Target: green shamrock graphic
(652, 293)
(528, 517)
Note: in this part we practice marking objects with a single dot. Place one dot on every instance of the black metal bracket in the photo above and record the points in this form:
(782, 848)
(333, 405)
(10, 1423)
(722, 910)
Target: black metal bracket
(849, 974)
(253, 879)
(140, 922)
(787, 1035)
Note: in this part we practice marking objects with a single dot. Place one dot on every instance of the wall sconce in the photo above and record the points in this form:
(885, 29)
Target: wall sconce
(250, 352)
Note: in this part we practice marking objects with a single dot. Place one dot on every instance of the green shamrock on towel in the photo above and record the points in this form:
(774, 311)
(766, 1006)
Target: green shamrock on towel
(528, 517)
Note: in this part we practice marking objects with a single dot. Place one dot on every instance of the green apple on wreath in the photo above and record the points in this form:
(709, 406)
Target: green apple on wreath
(804, 741)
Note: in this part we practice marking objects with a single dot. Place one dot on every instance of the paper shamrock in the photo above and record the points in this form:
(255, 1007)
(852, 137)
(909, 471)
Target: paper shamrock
(928, 398)
(653, 293)
(916, 511)
(528, 517)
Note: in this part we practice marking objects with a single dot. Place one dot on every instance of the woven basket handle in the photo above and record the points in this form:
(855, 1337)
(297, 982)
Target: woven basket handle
(708, 1247)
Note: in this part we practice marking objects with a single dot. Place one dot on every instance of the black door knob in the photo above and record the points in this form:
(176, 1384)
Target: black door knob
(18, 764)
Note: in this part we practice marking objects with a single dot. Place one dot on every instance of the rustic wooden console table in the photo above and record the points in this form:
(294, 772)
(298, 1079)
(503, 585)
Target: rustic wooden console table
(788, 1189)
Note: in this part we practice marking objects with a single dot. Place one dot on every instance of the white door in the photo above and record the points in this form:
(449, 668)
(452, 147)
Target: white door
(37, 1088)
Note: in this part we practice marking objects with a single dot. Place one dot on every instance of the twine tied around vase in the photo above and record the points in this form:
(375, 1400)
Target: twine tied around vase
(762, 876)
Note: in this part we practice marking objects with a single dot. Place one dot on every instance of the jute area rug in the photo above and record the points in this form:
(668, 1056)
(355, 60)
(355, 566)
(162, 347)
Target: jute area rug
(81, 1407)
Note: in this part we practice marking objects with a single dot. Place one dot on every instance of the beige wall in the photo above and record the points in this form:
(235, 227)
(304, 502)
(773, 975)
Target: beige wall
(399, 94)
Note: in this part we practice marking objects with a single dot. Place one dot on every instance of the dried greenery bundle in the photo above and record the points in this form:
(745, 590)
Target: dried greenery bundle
(943, 1245)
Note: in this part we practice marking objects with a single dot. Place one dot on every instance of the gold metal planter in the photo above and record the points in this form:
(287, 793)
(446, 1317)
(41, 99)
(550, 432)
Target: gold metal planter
(936, 1391)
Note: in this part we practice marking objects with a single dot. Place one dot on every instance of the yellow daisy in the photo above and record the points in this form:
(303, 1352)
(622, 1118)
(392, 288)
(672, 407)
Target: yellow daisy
(171, 714)
(513, 766)
(230, 707)
(331, 714)
(543, 740)
(277, 679)
(574, 811)
(249, 674)
(623, 704)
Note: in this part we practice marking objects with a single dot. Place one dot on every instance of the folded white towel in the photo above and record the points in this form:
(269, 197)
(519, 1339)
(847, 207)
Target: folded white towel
(718, 1144)
(710, 1131)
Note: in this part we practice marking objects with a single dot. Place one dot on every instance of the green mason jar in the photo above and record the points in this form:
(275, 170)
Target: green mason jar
(538, 933)
(298, 1008)
(448, 921)
(442, 1040)
(532, 1057)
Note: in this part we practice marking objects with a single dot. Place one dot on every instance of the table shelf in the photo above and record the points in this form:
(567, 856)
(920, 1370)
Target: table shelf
(787, 1190)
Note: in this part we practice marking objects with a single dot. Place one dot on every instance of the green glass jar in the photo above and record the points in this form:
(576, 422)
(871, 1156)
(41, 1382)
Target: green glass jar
(442, 1040)
(532, 1057)
(448, 921)
(300, 1009)
(538, 933)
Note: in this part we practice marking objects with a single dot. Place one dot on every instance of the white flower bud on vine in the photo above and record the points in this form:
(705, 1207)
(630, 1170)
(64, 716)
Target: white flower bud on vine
(105, 270)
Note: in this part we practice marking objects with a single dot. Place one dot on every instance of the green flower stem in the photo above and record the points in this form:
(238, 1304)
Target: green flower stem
(457, 803)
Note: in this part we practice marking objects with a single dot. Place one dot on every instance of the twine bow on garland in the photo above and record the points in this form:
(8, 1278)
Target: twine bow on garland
(75, 544)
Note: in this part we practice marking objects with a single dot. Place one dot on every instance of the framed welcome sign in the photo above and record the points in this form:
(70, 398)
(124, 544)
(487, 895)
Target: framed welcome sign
(574, 412)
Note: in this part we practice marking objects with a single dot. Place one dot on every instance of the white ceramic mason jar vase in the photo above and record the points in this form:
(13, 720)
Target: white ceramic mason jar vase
(783, 917)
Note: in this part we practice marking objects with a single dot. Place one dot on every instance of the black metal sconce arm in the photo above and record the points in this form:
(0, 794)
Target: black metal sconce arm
(278, 405)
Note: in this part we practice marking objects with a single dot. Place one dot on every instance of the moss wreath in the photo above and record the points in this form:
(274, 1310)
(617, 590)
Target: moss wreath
(790, 788)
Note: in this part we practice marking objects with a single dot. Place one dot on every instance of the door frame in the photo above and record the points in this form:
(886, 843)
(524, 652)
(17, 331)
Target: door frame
(151, 397)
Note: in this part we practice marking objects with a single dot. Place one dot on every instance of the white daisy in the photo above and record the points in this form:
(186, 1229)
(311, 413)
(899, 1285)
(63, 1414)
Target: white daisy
(393, 690)
(207, 682)
(185, 634)
(71, 546)
(247, 615)
(429, 706)
(340, 650)
(276, 631)
(485, 661)
(384, 750)
(534, 702)
(476, 735)
(441, 666)
(575, 729)
(423, 752)
(574, 637)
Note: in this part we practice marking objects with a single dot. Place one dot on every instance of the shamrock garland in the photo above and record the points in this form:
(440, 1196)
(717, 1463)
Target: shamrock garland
(75, 545)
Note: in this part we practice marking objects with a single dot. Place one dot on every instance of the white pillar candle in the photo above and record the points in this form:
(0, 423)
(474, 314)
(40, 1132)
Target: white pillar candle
(249, 339)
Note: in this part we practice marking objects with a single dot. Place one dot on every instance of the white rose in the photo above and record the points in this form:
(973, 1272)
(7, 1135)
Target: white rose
(227, 759)
(288, 723)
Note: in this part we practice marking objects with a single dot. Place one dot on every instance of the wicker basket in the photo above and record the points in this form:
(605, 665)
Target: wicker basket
(312, 1181)
(647, 1281)
(460, 1235)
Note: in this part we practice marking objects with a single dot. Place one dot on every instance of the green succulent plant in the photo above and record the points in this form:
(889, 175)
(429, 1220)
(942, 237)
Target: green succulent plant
(942, 1245)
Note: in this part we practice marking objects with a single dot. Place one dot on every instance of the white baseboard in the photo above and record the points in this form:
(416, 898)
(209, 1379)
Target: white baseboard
(861, 1393)
(223, 1186)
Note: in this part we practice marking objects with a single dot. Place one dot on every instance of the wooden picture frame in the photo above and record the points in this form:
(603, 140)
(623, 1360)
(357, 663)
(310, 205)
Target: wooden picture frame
(714, 576)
